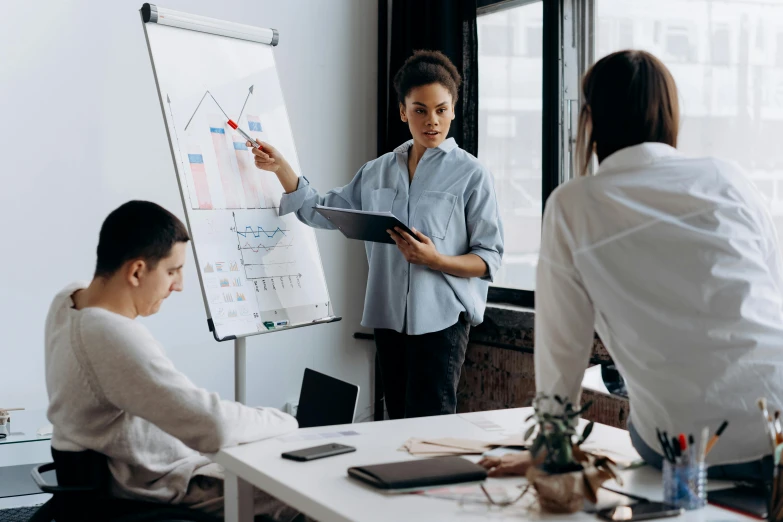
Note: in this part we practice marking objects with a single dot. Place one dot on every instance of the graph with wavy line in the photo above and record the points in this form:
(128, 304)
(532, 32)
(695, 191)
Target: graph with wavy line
(258, 248)
(260, 230)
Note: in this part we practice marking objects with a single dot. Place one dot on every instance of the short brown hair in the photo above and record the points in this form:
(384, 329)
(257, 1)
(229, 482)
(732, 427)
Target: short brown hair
(629, 98)
(137, 230)
(425, 68)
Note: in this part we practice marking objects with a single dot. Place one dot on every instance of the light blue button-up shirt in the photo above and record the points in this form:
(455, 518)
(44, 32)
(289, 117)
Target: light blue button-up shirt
(452, 201)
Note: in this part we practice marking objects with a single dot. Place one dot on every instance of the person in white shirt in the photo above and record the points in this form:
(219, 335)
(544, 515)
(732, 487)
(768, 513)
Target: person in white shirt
(113, 390)
(674, 262)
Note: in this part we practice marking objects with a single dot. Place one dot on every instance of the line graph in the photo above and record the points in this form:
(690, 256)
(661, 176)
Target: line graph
(250, 92)
(262, 250)
(271, 270)
(199, 106)
(259, 247)
(207, 93)
(259, 230)
(256, 239)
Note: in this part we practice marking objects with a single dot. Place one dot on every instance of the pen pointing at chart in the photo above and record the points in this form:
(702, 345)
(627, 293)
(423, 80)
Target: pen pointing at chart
(250, 141)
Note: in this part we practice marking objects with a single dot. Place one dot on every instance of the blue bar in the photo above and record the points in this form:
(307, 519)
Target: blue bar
(254, 126)
(195, 158)
(238, 145)
(217, 130)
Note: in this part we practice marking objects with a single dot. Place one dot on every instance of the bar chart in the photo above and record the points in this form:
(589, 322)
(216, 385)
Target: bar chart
(221, 173)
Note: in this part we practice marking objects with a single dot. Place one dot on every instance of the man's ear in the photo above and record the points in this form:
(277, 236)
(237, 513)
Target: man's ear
(402, 113)
(134, 271)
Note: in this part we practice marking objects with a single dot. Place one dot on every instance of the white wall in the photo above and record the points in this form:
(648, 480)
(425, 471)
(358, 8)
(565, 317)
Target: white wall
(82, 132)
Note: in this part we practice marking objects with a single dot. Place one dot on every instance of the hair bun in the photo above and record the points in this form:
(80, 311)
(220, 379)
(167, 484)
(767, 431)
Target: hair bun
(425, 67)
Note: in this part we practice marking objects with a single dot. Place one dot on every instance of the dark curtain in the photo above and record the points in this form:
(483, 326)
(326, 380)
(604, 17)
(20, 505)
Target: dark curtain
(448, 26)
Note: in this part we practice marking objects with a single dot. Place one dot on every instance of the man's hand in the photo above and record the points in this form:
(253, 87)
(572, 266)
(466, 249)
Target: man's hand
(509, 464)
(421, 252)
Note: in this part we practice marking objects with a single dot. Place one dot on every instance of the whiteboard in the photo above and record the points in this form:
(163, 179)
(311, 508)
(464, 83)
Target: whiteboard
(259, 272)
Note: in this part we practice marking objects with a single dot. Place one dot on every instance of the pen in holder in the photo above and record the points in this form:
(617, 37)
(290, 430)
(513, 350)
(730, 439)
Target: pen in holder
(775, 489)
(685, 483)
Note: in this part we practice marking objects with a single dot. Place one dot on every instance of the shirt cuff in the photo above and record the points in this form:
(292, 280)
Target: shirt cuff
(492, 259)
(293, 201)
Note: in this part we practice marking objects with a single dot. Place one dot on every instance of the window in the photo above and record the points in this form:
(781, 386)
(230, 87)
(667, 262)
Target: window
(614, 34)
(779, 50)
(497, 40)
(720, 43)
(678, 44)
(731, 95)
(501, 126)
(510, 144)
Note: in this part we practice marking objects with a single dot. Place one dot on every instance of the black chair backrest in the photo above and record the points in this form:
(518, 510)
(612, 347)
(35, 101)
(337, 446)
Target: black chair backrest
(83, 494)
(82, 468)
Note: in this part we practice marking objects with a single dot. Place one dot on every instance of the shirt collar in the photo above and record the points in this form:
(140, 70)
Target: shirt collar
(637, 156)
(447, 146)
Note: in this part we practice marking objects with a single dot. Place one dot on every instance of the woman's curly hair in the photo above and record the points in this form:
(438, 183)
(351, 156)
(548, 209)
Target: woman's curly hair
(425, 68)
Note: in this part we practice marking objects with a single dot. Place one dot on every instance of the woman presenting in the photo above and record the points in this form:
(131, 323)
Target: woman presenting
(424, 293)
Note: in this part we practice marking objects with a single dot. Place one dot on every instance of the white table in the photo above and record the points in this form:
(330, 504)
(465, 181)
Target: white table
(322, 489)
(27, 427)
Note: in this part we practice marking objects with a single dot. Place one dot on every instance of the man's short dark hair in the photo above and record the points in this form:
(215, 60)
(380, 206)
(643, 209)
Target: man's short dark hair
(137, 230)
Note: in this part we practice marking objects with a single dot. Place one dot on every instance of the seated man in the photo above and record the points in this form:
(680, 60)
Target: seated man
(113, 390)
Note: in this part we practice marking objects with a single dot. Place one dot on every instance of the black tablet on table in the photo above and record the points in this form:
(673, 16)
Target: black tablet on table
(743, 498)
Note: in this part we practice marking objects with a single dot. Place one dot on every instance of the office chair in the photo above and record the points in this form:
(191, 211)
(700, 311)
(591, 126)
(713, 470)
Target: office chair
(82, 495)
(613, 381)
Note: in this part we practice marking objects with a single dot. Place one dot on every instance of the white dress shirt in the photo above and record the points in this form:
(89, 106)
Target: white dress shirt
(675, 263)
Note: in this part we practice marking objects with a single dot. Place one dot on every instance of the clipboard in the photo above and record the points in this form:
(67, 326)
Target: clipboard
(363, 225)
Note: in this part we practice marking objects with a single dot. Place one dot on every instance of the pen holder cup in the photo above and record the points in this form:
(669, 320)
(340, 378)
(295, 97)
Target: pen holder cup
(685, 484)
(775, 495)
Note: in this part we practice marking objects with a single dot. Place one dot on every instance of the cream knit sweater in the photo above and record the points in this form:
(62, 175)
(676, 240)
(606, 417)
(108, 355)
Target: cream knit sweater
(113, 390)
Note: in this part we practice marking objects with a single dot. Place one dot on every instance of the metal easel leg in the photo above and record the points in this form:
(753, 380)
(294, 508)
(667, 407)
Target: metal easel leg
(240, 369)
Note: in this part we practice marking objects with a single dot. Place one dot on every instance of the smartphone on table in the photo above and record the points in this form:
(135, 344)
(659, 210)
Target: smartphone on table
(318, 452)
(640, 511)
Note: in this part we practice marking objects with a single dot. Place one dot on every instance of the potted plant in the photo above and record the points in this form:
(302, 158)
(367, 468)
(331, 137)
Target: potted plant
(563, 475)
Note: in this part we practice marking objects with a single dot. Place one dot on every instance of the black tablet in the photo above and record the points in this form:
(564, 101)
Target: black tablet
(745, 499)
(362, 224)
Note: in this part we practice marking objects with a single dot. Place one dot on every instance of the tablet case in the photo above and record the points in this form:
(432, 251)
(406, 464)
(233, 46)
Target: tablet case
(419, 473)
(363, 225)
(745, 499)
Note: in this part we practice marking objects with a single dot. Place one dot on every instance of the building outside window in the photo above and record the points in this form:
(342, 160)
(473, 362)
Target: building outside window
(510, 76)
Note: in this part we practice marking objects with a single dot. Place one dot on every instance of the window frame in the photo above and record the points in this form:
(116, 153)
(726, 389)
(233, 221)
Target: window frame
(564, 37)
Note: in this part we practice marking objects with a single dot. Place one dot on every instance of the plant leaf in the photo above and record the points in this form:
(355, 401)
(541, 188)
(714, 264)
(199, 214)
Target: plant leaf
(586, 433)
(529, 432)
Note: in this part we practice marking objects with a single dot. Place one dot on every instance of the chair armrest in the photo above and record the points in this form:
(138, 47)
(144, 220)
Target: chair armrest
(53, 488)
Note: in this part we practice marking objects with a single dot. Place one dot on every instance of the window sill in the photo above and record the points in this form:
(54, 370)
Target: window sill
(511, 327)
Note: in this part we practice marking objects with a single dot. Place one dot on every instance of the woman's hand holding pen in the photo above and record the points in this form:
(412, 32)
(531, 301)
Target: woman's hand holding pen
(268, 158)
(421, 252)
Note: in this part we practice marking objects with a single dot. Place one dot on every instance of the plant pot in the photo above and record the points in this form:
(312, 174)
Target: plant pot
(565, 491)
(552, 469)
